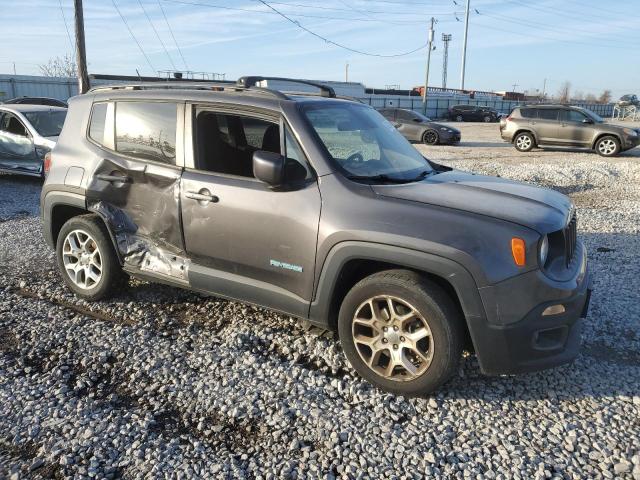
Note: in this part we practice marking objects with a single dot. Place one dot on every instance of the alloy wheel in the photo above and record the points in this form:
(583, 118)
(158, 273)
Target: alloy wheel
(392, 338)
(82, 260)
(430, 137)
(607, 146)
(523, 142)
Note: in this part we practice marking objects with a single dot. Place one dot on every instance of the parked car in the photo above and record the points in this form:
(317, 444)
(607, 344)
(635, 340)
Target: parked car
(472, 113)
(415, 127)
(314, 206)
(52, 102)
(565, 126)
(627, 100)
(27, 133)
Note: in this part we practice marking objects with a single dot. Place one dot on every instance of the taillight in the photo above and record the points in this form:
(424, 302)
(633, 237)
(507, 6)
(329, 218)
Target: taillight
(47, 163)
(508, 119)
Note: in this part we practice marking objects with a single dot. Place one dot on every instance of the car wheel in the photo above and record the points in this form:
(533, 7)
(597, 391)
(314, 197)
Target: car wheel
(608, 146)
(487, 118)
(87, 259)
(430, 137)
(524, 142)
(401, 332)
(459, 118)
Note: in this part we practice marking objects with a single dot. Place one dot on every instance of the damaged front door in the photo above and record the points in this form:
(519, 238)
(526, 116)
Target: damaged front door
(136, 185)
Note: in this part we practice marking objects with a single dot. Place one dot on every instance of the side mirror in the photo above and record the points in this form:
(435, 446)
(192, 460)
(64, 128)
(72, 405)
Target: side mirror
(587, 120)
(268, 167)
(417, 120)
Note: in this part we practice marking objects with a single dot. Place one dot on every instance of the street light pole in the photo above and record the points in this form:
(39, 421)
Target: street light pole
(464, 44)
(426, 77)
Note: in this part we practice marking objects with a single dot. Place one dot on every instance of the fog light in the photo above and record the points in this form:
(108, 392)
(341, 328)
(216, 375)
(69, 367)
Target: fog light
(553, 310)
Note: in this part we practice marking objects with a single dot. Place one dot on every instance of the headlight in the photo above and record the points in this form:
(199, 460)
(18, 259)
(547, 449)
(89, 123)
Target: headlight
(445, 129)
(630, 132)
(544, 250)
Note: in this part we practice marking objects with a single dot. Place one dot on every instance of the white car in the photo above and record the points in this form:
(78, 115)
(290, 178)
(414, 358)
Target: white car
(27, 133)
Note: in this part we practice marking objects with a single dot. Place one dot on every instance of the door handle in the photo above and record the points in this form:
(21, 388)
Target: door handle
(202, 197)
(114, 178)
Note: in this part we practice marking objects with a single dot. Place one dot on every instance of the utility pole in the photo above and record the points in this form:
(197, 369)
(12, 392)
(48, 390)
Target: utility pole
(426, 77)
(346, 72)
(464, 46)
(14, 68)
(544, 88)
(514, 87)
(446, 38)
(81, 54)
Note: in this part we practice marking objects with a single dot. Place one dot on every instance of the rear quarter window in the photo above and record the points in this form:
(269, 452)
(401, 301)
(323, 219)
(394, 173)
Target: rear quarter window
(147, 130)
(528, 113)
(98, 122)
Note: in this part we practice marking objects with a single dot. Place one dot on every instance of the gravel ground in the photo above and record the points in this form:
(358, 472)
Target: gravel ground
(160, 382)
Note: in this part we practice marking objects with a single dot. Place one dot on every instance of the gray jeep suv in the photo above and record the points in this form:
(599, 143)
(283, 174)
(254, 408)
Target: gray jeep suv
(316, 207)
(564, 126)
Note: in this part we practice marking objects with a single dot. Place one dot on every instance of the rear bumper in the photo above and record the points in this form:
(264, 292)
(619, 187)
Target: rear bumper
(535, 341)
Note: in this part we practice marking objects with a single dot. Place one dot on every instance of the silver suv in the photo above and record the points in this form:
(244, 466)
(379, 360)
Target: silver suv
(317, 207)
(564, 126)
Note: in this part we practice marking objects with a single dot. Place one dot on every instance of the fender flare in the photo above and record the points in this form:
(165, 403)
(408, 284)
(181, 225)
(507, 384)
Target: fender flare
(52, 200)
(451, 271)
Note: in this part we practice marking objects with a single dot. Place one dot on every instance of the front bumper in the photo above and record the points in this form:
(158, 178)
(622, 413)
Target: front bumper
(534, 341)
(450, 137)
(630, 142)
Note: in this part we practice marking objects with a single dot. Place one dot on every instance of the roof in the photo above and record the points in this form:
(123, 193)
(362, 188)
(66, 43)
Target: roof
(25, 108)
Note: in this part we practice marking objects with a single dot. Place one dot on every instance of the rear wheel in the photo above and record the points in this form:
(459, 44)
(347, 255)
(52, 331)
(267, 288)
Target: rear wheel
(487, 118)
(524, 142)
(459, 118)
(608, 146)
(401, 332)
(86, 258)
(430, 137)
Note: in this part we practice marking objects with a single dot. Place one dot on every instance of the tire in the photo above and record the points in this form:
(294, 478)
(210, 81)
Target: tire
(524, 142)
(459, 118)
(430, 137)
(434, 319)
(487, 119)
(608, 146)
(96, 276)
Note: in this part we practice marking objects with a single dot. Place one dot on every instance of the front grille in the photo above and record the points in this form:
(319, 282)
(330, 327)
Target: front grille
(570, 239)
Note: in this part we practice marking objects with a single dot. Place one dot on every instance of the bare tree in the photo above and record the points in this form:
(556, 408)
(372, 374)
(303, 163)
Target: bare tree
(564, 94)
(605, 97)
(60, 67)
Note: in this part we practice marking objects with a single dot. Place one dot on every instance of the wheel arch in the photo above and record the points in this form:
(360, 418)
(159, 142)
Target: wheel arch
(525, 130)
(602, 135)
(350, 262)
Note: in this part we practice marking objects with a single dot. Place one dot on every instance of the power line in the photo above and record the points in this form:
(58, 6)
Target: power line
(339, 45)
(134, 37)
(172, 36)
(64, 19)
(157, 35)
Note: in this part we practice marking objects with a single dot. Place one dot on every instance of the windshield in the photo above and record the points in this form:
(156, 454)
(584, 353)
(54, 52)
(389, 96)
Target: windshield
(47, 123)
(364, 144)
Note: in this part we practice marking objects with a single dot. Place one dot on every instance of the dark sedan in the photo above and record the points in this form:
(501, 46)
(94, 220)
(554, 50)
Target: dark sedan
(415, 127)
(472, 113)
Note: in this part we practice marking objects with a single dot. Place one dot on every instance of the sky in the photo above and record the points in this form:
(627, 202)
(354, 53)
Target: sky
(510, 42)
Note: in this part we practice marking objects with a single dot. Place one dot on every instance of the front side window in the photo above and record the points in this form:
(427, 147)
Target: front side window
(147, 130)
(573, 116)
(363, 144)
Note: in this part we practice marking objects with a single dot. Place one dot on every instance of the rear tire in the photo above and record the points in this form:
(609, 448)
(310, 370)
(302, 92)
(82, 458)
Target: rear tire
(459, 118)
(430, 137)
(86, 258)
(524, 142)
(487, 119)
(412, 351)
(608, 146)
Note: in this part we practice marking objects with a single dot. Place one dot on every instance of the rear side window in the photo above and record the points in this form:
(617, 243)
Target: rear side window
(98, 122)
(147, 130)
(528, 113)
(548, 114)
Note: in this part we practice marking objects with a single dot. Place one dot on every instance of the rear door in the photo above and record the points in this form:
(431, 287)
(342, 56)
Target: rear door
(546, 125)
(17, 149)
(136, 183)
(573, 131)
(246, 240)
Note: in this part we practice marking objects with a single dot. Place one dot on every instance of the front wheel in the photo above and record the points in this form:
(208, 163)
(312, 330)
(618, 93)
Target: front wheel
(459, 118)
(608, 146)
(524, 142)
(430, 137)
(401, 332)
(86, 258)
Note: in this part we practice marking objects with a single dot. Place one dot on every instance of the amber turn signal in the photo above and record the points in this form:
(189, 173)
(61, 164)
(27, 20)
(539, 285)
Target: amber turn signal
(518, 251)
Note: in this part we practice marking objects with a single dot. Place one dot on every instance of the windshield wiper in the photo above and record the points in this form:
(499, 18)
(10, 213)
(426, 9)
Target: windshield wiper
(386, 178)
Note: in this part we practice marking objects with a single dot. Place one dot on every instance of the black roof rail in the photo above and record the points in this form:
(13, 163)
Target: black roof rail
(251, 82)
(178, 85)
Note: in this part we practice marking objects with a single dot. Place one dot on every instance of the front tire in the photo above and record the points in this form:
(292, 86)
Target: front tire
(524, 142)
(487, 119)
(430, 137)
(459, 118)
(401, 332)
(86, 258)
(608, 146)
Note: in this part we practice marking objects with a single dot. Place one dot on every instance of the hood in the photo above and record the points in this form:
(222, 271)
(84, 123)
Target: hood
(437, 126)
(540, 209)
